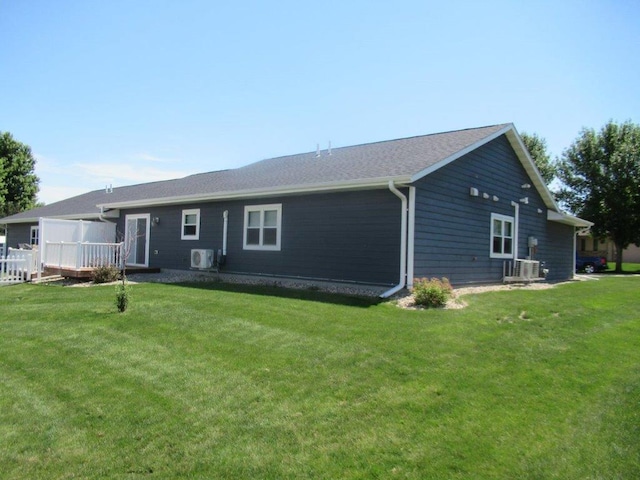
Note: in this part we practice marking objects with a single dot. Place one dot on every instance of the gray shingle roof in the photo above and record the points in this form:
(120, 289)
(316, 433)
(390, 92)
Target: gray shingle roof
(379, 162)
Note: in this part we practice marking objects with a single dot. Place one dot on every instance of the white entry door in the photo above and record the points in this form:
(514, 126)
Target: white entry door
(136, 242)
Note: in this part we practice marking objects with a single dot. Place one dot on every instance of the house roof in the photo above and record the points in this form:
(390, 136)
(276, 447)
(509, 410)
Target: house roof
(361, 166)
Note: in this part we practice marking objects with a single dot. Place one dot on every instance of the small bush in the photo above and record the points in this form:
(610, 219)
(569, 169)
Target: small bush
(431, 292)
(123, 295)
(106, 274)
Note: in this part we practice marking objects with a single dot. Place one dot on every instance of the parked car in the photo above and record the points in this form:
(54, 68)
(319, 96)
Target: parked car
(590, 264)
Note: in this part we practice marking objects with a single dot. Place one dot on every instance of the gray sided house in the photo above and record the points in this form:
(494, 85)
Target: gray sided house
(455, 204)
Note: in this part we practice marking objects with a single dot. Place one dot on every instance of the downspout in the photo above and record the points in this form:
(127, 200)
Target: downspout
(516, 222)
(411, 240)
(225, 228)
(403, 243)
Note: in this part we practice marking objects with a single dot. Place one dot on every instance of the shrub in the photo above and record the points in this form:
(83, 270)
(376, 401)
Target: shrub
(431, 292)
(106, 274)
(123, 294)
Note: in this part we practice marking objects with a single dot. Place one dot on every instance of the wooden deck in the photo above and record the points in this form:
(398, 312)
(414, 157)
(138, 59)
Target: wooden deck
(86, 273)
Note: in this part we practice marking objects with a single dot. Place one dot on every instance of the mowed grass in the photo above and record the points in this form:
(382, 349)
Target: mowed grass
(214, 381)
(626, 267)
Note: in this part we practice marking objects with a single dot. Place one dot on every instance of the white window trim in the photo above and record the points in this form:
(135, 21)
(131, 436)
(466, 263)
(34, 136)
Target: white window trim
(196, 236)
(262, 208)
(502, 218)
(34, 233)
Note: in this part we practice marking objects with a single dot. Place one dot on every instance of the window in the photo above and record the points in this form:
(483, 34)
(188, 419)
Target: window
(191, 224)
(35, 236)
(262, 226)
(501, 236)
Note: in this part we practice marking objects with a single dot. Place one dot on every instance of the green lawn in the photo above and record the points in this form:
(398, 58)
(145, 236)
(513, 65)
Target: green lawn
(214, 381)
(626, 267)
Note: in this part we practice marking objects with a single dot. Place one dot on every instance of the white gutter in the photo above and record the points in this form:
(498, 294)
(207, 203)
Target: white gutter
(561, 217)
(364, 184)
(403, 243)
(225, 227)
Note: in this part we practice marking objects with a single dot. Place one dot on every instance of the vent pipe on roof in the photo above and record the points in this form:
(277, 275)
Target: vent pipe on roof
(109, 188)
(329, 150)
(317, 150)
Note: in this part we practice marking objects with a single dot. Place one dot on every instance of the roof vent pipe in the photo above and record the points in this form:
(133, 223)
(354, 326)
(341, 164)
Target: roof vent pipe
(317, 150)
(329, 150)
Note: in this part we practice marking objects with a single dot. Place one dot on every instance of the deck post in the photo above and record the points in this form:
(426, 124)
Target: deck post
(78, 255)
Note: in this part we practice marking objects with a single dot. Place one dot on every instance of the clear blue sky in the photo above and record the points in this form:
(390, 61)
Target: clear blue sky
(122, 92)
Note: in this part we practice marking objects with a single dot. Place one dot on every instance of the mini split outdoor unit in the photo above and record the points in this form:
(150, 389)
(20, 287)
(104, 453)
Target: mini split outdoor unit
(201, 258)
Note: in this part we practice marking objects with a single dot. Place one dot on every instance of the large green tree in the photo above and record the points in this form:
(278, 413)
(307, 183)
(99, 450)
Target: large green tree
(18, 181)
(537, 147)
(601, 176)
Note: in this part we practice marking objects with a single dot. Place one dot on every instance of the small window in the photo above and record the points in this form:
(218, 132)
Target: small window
(262, 227)
(191, 224)
(501, 236)
(35, 236)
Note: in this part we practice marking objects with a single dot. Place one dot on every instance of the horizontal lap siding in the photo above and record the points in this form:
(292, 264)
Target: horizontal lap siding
(353, 236)
(18, 233)
(557, 251)
(453, 229)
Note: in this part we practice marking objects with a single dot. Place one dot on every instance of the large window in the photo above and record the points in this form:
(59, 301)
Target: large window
(262, 227)
(501, 236)
(191, 224)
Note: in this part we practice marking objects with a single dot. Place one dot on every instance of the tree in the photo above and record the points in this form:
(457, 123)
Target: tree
(537, 147)
(601, 176)
(18, 182)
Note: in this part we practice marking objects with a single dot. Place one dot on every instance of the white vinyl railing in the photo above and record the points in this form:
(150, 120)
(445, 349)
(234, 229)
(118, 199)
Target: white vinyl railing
(15, 269)
(82, 255)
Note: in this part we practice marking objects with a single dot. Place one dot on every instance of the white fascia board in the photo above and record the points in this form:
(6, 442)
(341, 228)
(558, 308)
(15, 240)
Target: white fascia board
(529, 165)
(460, 153)
(256, 193)
(560, 217)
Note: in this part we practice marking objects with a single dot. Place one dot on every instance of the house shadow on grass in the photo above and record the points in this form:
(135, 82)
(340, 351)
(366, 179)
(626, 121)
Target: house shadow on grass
(310, 294)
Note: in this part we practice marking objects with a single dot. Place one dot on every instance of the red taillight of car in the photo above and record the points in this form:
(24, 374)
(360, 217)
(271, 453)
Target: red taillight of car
(603, 260)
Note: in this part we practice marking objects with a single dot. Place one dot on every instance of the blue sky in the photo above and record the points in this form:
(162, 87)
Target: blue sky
(123, 92)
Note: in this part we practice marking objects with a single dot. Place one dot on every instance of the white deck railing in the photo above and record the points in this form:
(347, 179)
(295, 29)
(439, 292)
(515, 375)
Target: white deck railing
(82, 255)
(15, 269)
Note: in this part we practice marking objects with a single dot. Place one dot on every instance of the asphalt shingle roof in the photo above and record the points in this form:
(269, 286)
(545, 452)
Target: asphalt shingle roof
(373, 161)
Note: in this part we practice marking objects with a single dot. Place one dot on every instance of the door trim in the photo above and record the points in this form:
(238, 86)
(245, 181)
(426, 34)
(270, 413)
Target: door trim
(127, 240)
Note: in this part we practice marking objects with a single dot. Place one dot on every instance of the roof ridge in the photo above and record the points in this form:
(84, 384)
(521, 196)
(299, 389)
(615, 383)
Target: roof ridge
(333, 148)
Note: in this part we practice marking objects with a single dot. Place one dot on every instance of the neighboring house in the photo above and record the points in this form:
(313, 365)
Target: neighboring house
(589, 246)
(456, 204)
(3, 240)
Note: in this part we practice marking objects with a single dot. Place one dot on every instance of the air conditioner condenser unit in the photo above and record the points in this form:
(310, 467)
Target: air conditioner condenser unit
(201, 258)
